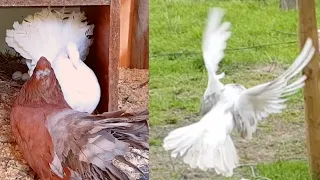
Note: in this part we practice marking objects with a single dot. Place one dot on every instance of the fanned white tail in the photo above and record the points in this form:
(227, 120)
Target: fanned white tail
(64, 39)
(47, 33)
(207, 143)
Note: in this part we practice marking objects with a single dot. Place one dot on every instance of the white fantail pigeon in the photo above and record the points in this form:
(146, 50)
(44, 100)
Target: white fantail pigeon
(207, 144)
(64, 39)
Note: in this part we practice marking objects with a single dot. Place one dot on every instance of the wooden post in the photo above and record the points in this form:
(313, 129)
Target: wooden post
(114, 58)
(308, 28)
(135, 34)
(126, 6)
(139, 33)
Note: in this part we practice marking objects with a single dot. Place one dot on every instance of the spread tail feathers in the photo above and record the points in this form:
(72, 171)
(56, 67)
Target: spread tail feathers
(47, 34)
(204, 146)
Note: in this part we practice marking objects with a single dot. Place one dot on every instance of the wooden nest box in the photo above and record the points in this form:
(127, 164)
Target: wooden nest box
(104, 57)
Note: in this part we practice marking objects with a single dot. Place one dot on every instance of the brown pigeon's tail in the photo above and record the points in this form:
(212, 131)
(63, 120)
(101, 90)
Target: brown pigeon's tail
(136, 134)
(111, 145)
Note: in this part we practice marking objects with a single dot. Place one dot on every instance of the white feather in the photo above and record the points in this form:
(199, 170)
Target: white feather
(79, 84)
(214, 43)
(48, 32)
(63, 38)
(260, 101)
(207, 144)
(56, 166)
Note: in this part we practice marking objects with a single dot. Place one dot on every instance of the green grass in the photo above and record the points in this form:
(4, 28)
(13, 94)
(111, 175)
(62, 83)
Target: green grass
(177, 26)
(177, 82)
(280, 170)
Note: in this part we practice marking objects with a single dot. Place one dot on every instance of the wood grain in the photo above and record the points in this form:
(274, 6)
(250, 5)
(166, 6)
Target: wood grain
(135, 34)
(308, 28)
(139, 33)
(125, 43)
(114, 58)
(23, 3)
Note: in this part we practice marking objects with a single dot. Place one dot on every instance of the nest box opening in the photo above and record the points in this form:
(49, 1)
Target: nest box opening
(103, 57)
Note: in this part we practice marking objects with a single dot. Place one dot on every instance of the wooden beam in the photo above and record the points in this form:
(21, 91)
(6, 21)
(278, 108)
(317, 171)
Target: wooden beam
(34, 3)
(139, 34)
(114, 58)
(135, 40)
(308, 28)
(125, 43)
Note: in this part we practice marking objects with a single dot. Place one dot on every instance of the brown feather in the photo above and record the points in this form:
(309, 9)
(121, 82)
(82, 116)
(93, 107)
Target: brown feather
(49, 133)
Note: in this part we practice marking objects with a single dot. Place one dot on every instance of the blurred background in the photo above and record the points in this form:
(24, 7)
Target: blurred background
(264, 42)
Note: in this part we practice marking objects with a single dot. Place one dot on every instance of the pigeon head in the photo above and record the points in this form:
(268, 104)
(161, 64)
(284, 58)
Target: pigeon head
(73, 54)
(43, 70)
(42, 88)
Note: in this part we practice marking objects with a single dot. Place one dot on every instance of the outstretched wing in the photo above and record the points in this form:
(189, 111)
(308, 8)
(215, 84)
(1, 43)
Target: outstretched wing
(260, 101)
(214, 43)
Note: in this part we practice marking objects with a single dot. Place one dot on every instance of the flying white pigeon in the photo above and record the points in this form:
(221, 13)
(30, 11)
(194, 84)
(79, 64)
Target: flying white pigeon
(207, 144)
(64, 39)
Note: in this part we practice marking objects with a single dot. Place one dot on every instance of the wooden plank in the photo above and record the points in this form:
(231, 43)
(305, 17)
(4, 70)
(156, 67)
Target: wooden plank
(139, 35)
(134, 39)
(34, 3)
(125, 42)
(114, 58)
(308, 28)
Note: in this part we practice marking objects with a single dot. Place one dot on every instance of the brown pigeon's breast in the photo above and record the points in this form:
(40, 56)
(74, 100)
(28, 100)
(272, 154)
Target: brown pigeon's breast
(33, 139)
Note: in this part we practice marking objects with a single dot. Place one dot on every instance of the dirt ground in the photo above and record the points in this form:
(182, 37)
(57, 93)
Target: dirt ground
(133, 89)
(133, 95)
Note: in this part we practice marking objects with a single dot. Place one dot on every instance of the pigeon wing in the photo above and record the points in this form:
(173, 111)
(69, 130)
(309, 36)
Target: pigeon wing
(214, 43)
(258, 102)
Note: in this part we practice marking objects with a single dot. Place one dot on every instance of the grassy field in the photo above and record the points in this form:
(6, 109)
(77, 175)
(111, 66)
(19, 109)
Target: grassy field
(262, 45)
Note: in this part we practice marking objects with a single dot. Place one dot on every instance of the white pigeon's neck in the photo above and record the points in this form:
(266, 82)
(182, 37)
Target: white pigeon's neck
(76, 63)
(211, 85)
